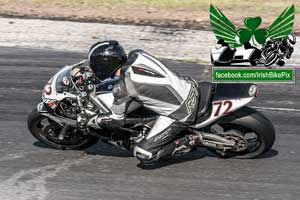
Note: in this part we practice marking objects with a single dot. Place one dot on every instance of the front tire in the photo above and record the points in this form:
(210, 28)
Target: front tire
(272, 59)
(40, 126)
(253, 63)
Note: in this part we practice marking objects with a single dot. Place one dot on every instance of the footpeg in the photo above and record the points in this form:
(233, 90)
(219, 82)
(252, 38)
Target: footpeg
(187, 143)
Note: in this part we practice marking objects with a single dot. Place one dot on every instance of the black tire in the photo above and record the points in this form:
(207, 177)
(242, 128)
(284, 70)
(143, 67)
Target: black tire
(249, 120)
(216, 63)
(33, 120)
(253, 63)
(272, 59)
(280, 63)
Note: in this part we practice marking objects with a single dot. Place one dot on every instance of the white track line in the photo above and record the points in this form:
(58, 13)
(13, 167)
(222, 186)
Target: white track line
(31, 184)
(277, 109)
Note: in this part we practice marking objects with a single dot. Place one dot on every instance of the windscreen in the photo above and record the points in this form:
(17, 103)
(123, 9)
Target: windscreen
(64, 82)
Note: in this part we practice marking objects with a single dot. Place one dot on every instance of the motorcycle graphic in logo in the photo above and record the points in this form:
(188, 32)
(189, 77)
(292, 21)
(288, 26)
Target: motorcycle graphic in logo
(252, 44)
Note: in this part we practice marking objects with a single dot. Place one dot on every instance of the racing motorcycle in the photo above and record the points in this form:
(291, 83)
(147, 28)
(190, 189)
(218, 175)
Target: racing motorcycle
(273, 52)
(67, 118)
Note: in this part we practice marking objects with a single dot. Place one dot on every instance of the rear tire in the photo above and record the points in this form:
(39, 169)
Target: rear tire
(280, 63)
(249, 121)
(80, 140)
(218, 64)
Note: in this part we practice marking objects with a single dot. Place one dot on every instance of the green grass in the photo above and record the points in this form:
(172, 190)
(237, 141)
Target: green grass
(235, 10)
(198, 61)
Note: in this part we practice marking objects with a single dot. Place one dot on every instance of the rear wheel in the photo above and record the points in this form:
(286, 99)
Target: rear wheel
(216, 63)
(253, 145)
(253, 63)
(280, 63)
(255, 130)
(47, 131)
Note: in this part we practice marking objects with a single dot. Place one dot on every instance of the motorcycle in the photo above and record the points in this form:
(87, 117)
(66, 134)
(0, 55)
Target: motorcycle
(67, 118)
(273, 52)
(223, 55)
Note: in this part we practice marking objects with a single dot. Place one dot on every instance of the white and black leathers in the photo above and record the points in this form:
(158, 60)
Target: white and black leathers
(146, 80)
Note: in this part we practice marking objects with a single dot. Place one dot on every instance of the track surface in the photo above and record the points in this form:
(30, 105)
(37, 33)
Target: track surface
(30, 170)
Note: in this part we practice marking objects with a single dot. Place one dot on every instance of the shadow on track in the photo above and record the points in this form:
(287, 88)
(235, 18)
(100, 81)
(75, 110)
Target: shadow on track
(269, 154)
(104, 149)
(100, 148)
(200, 153)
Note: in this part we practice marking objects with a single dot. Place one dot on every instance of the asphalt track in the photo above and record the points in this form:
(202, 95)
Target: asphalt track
(31, 171)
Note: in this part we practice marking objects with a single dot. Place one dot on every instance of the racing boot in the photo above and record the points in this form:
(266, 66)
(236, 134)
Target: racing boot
(165, 152)
(178, 147)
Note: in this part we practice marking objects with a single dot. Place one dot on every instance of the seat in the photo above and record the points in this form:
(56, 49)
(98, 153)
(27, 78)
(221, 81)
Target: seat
(205, 89)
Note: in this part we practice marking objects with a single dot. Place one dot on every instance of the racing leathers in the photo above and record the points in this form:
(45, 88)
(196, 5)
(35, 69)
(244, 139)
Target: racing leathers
(174, 98)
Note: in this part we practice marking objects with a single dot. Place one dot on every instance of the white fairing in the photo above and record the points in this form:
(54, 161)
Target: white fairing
(217, 52)
(222, 108)
(49, 91)
(244, 53)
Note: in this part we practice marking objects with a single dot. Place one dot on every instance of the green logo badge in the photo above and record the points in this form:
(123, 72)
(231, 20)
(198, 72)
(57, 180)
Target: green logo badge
(224, 29)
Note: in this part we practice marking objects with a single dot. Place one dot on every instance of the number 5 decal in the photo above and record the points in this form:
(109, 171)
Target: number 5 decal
(219, 105)
(48, 88)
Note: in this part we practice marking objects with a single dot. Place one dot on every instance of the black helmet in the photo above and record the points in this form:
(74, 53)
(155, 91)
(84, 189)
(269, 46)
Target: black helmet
(106, 57)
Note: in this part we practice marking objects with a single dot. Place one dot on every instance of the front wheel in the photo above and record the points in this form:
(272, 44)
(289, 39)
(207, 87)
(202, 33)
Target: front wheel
(271, 59)
(256, 130)
(47, 131)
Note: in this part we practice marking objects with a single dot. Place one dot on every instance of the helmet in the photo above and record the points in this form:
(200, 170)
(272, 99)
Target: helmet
(106, 57)
(292, 38)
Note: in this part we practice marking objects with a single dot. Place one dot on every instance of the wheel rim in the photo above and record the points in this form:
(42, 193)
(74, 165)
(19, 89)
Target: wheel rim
(253, 139)
(49, 130)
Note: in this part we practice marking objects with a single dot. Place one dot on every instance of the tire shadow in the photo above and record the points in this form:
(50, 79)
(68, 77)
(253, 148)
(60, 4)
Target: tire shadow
(99, 148)
(104, 149)
(200, 153)
(271, 153)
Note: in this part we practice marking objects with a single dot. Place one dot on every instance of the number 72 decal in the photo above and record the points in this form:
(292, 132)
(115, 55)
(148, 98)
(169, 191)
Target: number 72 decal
(227, 104)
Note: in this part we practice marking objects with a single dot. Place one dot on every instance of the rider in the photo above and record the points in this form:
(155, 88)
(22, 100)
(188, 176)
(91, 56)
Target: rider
(146, 80)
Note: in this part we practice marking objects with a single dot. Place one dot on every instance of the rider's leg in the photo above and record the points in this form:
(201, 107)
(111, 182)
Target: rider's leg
(159, 142)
